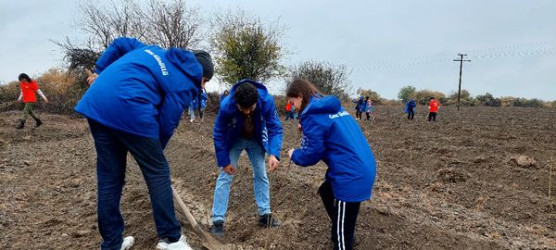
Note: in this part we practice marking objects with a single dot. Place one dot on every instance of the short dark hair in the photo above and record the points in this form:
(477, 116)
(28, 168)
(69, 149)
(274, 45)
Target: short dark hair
(246, 95)
(24, 76)
(431, 98)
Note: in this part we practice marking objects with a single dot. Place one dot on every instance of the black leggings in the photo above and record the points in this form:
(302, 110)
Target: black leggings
(432, 116)
(410, 114)
(343, 216)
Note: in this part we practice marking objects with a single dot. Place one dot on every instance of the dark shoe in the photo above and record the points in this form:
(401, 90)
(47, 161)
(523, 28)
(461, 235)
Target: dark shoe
(21, 124)
(268, 220)
(39, 122)
(217, 228)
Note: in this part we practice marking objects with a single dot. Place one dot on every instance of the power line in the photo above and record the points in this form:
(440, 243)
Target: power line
(517, 50)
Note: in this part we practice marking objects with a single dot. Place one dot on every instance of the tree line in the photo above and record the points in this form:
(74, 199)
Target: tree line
(242, 45)
(487, 99)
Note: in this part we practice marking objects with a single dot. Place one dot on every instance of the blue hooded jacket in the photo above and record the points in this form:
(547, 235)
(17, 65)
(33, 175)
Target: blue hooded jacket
(330, 134)
(229, 123)
(409, 105)
(142, 89)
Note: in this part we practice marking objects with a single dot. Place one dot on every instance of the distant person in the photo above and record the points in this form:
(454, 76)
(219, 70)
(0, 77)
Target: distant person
(137, 99)
(369, 108)
(224, 95)
(199, 103)
(330, 134)
(248, 121)
(433, 108)
(359, 107)
(27, 95)
(203, 101)
(290, 111)
(410, 109)
(192, 107)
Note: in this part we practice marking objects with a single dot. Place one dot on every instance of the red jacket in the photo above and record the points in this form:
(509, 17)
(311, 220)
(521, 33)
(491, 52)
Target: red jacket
(289, 107)
(433, 106)
(28, 90)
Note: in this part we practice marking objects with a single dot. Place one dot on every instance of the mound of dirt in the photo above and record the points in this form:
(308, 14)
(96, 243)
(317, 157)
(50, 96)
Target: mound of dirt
(523, 161)
(452, 175)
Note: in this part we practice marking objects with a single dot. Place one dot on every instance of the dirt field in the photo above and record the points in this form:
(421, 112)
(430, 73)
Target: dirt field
(475, 179)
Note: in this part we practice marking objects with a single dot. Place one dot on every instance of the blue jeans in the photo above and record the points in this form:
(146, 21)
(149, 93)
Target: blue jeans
(112, 147)
(260, 182)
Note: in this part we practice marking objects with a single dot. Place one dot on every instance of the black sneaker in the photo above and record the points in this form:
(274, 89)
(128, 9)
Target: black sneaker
(38, 123)
(268, 220)
(217, 228)
(21, 124)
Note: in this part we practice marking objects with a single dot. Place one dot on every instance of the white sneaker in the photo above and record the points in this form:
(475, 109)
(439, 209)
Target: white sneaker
(127, 243)
(181, 244)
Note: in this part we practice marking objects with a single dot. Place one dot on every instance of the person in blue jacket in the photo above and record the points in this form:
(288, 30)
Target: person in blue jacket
(137, 95)
(410, 109)
(330, 134)
(224, 95)
(247, 120)
(360, 107)
(198, 103)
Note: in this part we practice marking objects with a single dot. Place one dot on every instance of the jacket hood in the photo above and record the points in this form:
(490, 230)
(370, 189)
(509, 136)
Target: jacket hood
(186, 62)
(323, 105)
(263, 92)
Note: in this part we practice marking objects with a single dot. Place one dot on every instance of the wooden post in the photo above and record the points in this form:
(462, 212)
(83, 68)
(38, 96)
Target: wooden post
(460, 71)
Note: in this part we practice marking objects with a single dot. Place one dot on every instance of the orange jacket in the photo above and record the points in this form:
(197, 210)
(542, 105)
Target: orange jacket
(433, 106)
(28, 90)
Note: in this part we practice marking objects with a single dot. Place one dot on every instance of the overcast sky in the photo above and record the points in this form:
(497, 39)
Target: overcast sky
(385, 44)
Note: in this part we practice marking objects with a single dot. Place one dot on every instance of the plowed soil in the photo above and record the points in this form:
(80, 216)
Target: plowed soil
(475, 179)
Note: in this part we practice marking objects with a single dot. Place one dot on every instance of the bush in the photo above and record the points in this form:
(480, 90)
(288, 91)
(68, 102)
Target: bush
(406, 93)
(8, 96)
(487, 100)
(423, 96)
(465, 99)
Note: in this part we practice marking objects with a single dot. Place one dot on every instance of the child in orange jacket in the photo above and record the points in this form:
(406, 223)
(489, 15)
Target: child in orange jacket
(27, 94)
(433, 109)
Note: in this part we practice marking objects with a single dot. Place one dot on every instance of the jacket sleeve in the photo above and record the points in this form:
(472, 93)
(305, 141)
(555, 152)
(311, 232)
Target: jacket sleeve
(117, 49)
(274, 129)
(170, 113)
(312, 145)
(219, 134)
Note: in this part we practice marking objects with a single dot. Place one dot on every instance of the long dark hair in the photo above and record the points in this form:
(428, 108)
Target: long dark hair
(24, 76)
(304, 89)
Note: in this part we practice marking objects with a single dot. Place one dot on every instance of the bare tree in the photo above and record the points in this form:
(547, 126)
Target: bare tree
(329, 79)
(104, 24)
(245, 48)
(168, 25)
(172, 24)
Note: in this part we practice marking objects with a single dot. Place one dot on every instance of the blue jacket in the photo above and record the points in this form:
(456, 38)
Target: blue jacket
(142, 89)
(409, 105)
(195, 101)
(361, 105)
(229, 123)
(223, 96)
(204, 99)
(330, 134)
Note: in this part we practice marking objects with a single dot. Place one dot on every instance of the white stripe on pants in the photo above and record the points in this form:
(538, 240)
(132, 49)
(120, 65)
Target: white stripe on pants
(340, 224)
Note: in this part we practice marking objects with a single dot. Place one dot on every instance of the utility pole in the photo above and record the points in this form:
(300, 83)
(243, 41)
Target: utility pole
(460, 60)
